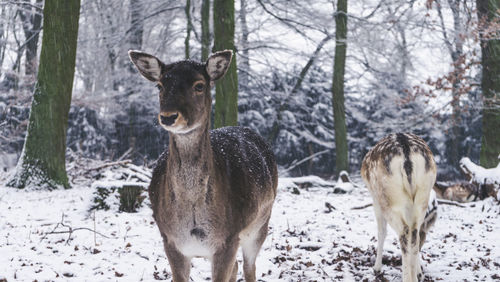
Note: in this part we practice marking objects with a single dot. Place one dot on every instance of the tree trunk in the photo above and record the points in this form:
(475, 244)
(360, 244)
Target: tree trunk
(42, 162)
(130, 197)
(32, 23)
(205, 29)
(245, 59)
(3, 37)
(226, 89)
(187, 11)
(456, 56)
(490, 84)
(341, 149)
(134, 43)
(136, 27)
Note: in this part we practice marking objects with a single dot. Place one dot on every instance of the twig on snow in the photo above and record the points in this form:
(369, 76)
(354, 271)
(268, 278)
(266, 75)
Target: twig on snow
(124, 162)
(69, 231)
(362, 207)
(451, 203)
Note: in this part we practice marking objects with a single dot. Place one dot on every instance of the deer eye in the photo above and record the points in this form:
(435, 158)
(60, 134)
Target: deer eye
(198, 87)
(159, 87)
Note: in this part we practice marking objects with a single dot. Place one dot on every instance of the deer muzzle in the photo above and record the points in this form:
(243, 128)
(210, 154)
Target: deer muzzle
(168, 119)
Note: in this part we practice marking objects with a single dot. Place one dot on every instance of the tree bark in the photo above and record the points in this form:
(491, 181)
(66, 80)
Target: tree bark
(187, 11)
(32, 23)
(455, 48)
(341, 149)
(226, 89)
(42, 162)
(3, 37)
(245, 59)
(136, 27)
(205, 29)
(490, 84)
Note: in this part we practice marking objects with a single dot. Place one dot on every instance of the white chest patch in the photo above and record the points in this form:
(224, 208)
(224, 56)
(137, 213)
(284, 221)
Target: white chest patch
(193, 247)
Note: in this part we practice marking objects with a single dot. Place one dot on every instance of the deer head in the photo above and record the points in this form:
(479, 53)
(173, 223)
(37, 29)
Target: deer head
(184, 86)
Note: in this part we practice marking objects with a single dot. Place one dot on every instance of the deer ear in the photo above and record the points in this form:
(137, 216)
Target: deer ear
(148, 65)
(218, 64)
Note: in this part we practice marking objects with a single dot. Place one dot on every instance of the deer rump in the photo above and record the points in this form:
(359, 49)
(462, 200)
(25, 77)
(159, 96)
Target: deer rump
(399, 173)
(238, 201)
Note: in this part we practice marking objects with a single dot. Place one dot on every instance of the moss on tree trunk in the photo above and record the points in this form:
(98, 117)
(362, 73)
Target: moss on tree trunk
(226, 89)
(490, 84)
(42, 162)
(341, 150)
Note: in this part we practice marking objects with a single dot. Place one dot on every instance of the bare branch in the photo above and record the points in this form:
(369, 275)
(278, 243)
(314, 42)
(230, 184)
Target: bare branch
(362, 207)
(69, 231)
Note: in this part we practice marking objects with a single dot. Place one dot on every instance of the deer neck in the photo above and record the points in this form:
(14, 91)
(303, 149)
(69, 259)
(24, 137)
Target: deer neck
(190, 161)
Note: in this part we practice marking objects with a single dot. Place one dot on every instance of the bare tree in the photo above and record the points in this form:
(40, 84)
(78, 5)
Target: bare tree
(226, 90)
(31, 17)
(205, 29)
(341, 150)
(187, 11)
(244, 66)
(490, 83)
(42, 162)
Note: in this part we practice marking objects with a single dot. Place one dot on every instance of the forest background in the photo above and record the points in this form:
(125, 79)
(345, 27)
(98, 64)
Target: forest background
(410, 66)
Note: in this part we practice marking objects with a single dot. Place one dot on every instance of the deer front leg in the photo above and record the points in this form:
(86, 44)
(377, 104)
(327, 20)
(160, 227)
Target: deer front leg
(224, 264)
(179, 264)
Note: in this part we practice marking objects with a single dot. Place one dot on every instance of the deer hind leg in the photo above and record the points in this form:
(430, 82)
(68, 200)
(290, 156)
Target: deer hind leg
(382, 232)
(422, 234)
(399, 224)
(406, 253)
(179, 264)
(224, 264)
(251, 248)
(409, 239)
(415, 253)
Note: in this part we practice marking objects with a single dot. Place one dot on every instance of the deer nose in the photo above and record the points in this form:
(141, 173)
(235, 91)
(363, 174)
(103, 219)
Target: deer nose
(168, 119)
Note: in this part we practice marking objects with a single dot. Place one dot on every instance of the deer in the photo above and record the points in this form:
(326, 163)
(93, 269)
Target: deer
(400, 172)
(211, 191)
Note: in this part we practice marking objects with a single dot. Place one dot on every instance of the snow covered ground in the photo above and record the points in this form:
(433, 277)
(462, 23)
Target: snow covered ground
(309, 240)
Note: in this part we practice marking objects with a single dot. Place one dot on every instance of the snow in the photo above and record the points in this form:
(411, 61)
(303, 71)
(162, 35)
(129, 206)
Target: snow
(481, 174)
(307, 241)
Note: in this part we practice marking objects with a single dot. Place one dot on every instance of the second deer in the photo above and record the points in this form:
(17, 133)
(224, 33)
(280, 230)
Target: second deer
(400, 172)
(211, 190)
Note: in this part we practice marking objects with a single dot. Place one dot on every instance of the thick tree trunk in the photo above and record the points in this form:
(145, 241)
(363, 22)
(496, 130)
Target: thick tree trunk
(490, 84)
(226, 90)
(42, 162)
(205, 29)
(341, 150)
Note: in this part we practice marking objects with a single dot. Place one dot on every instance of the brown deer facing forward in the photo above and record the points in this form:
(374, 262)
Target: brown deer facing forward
(400, 172)
(212, 190)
